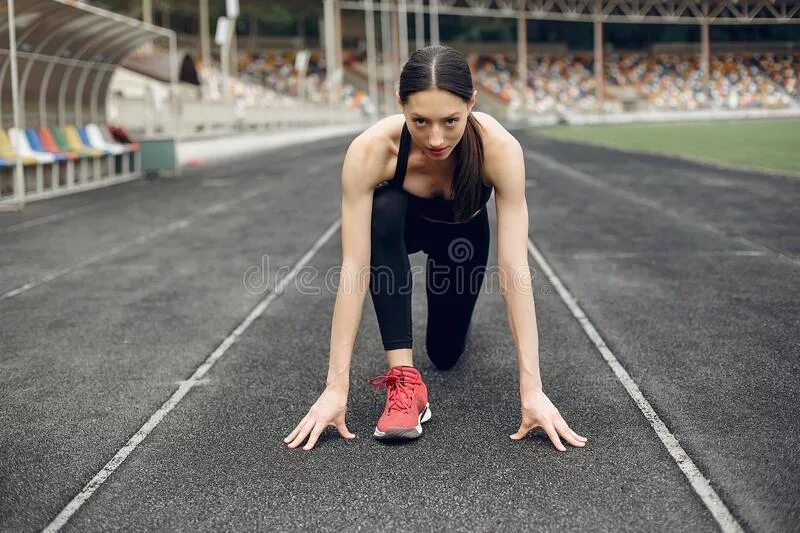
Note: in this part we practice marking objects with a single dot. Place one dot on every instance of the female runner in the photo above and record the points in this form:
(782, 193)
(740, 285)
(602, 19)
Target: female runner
(415, 181)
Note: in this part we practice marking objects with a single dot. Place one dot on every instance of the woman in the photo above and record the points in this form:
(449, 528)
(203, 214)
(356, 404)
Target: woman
(416, 181)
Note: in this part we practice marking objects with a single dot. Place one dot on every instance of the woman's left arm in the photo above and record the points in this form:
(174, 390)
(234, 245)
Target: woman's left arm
(505, 166)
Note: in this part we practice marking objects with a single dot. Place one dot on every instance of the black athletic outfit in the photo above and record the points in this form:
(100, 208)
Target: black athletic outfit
(403, 223)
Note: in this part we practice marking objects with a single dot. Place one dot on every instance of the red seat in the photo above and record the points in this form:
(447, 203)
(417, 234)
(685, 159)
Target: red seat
(121, 136)
(49, 144)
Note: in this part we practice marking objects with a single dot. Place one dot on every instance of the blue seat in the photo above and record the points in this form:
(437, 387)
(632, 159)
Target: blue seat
(85, 139)
(36, 144)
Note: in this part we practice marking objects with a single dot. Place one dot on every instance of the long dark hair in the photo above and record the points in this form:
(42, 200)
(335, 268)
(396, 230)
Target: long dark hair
(442, 67)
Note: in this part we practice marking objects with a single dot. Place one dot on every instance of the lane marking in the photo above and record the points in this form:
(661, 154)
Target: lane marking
(46, 219)
(585, 177)
(185, 387)
(179, 224)
(164, 230)
(698, 482)
(615, 255)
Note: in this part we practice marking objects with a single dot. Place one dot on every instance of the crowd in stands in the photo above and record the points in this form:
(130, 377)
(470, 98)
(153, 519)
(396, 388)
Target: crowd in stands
(663, 81)
(554, 83)
(270, 79)
(667, 82)
(783, 69)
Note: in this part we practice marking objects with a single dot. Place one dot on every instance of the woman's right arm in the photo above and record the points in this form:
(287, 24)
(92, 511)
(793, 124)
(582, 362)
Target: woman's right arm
(363, 164)
(361, 172)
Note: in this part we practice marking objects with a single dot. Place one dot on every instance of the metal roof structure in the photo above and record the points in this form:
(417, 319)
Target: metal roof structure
(57, 58)
(66, 53)
(647, 11)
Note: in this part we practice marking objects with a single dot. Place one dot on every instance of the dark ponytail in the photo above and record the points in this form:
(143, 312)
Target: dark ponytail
(443, 67)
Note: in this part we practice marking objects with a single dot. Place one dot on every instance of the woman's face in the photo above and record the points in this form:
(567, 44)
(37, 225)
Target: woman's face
(436, 120)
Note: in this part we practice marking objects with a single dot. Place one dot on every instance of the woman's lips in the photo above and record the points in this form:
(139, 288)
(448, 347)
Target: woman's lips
(438, 152)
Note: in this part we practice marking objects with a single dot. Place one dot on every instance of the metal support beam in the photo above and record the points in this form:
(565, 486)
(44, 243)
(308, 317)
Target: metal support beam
(434, 22)
(744, 12)
(704, 61)
(19, 178)
(147, 11)
(372, 69)
(386, 61)
(338, 77)
(395, 45)
(599, 78)
(522, 55)
(330, 52)
(205, 35)
(402, 14)
(419, 21)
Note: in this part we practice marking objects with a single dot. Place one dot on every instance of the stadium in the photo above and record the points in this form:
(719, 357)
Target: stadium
(174, 221)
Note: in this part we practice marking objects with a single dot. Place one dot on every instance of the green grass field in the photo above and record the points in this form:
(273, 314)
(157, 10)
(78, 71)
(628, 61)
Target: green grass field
(772, 144)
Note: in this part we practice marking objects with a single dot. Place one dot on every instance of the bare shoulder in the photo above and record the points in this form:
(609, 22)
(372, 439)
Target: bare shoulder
(499, 147)
(383, 133)
(495, 135)
(371, 152)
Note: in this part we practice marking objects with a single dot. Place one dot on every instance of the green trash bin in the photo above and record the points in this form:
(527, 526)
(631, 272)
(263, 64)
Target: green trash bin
(159, 157)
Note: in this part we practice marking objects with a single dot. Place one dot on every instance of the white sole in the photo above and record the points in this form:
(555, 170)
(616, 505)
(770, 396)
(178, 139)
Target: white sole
(406, 433)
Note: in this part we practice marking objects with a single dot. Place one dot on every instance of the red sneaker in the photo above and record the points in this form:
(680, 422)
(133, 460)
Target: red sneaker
(406, 404)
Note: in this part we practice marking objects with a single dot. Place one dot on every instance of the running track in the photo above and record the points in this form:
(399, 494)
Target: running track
(668, 305)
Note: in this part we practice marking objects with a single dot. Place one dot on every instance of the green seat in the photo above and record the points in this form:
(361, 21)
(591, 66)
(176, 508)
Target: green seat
(61, 141)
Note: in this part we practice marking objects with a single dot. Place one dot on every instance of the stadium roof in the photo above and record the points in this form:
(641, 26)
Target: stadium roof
(626, 11)
(66, 52)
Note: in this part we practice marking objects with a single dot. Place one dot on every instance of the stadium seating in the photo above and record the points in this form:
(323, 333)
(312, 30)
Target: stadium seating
(661, 81)
(36, 144)
(19, 142)
(56, 158)
(95, 139)
(268, 78)
(49, 144)
(73, 140)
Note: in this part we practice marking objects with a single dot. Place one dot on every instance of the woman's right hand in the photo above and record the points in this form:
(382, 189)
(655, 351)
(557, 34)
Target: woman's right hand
(328, 410)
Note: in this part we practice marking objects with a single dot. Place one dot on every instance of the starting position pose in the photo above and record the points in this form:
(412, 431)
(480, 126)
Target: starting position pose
(415, 181)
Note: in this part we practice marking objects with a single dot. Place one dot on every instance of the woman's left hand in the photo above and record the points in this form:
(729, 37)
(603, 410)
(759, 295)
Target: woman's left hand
(539, 411)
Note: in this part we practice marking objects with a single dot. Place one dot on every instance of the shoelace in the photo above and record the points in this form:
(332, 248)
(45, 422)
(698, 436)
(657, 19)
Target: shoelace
(399, 390)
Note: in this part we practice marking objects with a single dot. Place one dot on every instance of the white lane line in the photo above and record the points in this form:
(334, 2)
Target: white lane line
(585, 177)
(185, 387)
(698, 482)
(622, 255)
(173, 226)
(46, 219)
(95, 258)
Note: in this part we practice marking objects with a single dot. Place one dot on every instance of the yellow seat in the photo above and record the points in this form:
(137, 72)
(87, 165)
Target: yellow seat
(7, 151)
(76, 144)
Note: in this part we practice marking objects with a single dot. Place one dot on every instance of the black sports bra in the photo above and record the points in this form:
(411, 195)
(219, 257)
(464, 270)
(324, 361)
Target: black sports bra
(437, 209)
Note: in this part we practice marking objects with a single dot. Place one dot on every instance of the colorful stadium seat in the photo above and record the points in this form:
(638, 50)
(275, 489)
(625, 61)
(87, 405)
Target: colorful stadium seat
(36, 145)
(85, 140)
(20, 143)
(8, 153)
(95, 137)
(49, 144)
(70, 139)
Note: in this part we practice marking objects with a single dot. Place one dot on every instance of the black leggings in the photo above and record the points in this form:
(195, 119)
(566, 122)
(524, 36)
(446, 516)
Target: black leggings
(455, 269)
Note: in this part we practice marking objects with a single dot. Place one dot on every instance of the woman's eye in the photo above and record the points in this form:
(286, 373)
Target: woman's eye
(421, 121)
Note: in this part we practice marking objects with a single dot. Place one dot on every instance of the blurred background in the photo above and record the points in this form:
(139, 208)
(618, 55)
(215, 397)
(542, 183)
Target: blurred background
(667, 294)
(108, 90)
